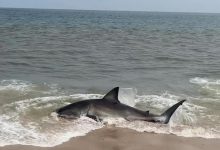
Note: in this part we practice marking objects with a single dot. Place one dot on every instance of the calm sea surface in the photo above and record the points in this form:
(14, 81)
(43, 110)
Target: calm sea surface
(49, 58)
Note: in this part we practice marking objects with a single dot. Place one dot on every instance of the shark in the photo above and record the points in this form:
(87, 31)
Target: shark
(110, 106)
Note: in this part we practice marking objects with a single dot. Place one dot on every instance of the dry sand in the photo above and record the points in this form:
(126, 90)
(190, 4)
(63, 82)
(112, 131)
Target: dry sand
(111, 138)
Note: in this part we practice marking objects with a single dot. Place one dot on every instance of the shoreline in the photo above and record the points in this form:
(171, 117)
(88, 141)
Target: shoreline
(114, 138)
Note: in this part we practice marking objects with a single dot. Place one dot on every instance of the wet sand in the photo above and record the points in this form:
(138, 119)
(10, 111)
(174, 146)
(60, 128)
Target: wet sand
(112, 138)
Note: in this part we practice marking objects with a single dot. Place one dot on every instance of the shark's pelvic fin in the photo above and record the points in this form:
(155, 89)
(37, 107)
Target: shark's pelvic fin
(112, 96)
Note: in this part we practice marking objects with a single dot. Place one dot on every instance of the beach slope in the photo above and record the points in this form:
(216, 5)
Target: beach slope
(112, 138)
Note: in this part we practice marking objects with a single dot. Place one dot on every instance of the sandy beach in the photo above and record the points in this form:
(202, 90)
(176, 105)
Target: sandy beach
(112, 138)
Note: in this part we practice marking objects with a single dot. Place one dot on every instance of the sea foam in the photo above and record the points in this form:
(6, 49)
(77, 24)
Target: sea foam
(32, 121)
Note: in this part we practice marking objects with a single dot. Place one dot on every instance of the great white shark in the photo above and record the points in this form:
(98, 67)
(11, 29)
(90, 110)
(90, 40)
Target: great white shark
(110, 106)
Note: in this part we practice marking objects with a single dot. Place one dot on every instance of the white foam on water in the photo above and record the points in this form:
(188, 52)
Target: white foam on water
(209, 86)
(186, 113)
(203, 81)
(17, 85)
(179, 130)
(18, 129)
(17, 133)
(30, 122)
(185, 131)
(25, 87)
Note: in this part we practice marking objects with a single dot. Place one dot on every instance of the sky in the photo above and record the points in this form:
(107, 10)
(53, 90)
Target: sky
(206, 6)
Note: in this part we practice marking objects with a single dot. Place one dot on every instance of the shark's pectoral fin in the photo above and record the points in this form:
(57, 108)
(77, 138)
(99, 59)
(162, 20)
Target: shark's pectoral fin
(112, 96)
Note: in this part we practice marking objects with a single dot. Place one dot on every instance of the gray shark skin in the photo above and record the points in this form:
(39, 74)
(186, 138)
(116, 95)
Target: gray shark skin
(110, 106)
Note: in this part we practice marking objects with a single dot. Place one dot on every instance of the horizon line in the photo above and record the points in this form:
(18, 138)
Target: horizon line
(196, 12)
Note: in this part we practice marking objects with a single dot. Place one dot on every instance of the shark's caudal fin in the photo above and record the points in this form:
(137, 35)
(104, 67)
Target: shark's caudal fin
(112, 96)
(169, 112)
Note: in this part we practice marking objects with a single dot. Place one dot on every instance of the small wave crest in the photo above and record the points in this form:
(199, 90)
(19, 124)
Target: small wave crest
(31, 121)
(17, 85)
(204, 81)
(28, 122)
(179, 130)
(209, 87)
(27, 87)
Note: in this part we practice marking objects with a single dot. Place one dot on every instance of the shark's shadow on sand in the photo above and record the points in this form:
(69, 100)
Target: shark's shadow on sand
(110, 106)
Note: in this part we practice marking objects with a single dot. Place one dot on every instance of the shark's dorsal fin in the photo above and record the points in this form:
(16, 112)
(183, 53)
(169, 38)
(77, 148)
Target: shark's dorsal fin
(112, 96)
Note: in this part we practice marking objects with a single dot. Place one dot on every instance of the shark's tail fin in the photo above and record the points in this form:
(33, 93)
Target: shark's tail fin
(169, 112)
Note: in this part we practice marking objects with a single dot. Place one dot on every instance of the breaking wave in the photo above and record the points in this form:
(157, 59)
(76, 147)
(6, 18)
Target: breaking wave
(209, 87)
(31, 120)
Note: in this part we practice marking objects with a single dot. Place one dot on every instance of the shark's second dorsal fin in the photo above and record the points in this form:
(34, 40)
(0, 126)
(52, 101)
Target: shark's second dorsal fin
(112, 96)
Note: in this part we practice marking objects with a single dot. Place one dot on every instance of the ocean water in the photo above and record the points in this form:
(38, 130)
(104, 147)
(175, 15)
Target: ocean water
(50, 58)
